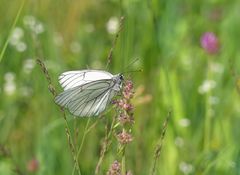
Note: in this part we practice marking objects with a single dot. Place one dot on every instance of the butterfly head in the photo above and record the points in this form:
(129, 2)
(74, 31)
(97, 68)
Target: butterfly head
(121, 77)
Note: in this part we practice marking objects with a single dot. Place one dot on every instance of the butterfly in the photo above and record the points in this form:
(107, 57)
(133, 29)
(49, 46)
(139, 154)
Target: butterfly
(88, 92)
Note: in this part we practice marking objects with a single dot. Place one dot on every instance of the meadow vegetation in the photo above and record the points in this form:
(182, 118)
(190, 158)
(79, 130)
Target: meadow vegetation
(185, 105)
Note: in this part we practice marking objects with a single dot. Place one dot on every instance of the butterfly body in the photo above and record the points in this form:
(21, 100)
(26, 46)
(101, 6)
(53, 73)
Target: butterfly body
(88, 92)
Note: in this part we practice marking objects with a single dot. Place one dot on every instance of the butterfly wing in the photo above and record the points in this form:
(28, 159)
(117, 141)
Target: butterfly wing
(73, 79)
(88, 99)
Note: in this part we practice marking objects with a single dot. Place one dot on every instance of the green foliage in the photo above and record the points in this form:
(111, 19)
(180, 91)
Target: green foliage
(201, 89)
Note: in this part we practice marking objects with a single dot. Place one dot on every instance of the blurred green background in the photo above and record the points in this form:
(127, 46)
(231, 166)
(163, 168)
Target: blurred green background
(200, 89)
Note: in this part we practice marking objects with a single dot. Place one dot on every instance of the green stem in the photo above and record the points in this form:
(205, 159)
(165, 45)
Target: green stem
(123, 161)
(208, 113)
(81, 145)
(12, 27)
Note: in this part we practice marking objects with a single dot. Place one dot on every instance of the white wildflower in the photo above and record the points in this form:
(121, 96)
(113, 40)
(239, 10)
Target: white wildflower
(184, 122)
(186, 168)
(9, 86)
(21, 46)
(206, 86)
(28, 65)
(179, 142)
(16, 36)
(112, 25)
(9, 76)
(33, 24)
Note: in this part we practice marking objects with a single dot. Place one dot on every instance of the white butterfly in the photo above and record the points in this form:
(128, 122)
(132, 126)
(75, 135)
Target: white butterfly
(88, 92)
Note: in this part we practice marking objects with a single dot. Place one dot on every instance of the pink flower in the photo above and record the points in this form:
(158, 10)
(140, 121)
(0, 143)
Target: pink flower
(210, 43)
(124, 137)
(115, 168)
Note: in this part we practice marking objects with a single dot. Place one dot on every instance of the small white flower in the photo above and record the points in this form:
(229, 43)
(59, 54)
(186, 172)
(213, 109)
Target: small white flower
(39, 28)
(29, 21)
(21, 46)
(184, 122)
(9, 76)
(33, 24)
(206, 86)
(179, 142)
(112, 25)
(186, 168)
(16, 36)
(28, 65)
(9, 87)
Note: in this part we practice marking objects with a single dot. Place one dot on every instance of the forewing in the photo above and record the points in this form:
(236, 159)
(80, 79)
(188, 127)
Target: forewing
(73, 79)
(89, 99)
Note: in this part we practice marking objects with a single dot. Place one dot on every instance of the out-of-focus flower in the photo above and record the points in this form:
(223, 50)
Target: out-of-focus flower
(124, 137)
(33, 165)
(21, 46)
(16, 39)
(186, 168)
(16, 36)
(210, 43)
(33, 24)
(112, 25)
(9, 76)
(179, 142)
(184, 122)
(9, 86)
(28, 65)
(206, 86)
(115, 168)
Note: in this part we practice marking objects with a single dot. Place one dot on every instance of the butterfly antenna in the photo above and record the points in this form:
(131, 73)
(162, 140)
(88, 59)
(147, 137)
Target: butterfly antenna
(109, 58)
(130, 71)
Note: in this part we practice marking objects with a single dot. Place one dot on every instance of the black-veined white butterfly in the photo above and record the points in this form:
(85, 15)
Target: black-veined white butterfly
(88, 92)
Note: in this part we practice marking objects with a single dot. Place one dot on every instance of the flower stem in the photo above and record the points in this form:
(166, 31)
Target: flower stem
(208, 113)
(123, 161)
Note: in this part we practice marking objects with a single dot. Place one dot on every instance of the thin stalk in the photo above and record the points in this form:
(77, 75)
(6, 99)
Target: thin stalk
(12, 27)
(123, 162)
(81, 145)
(67, 128)
(105, 146)
(158, 148)
(208, 113)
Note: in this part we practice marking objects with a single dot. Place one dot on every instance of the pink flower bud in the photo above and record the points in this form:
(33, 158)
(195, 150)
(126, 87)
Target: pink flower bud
(210, 43)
